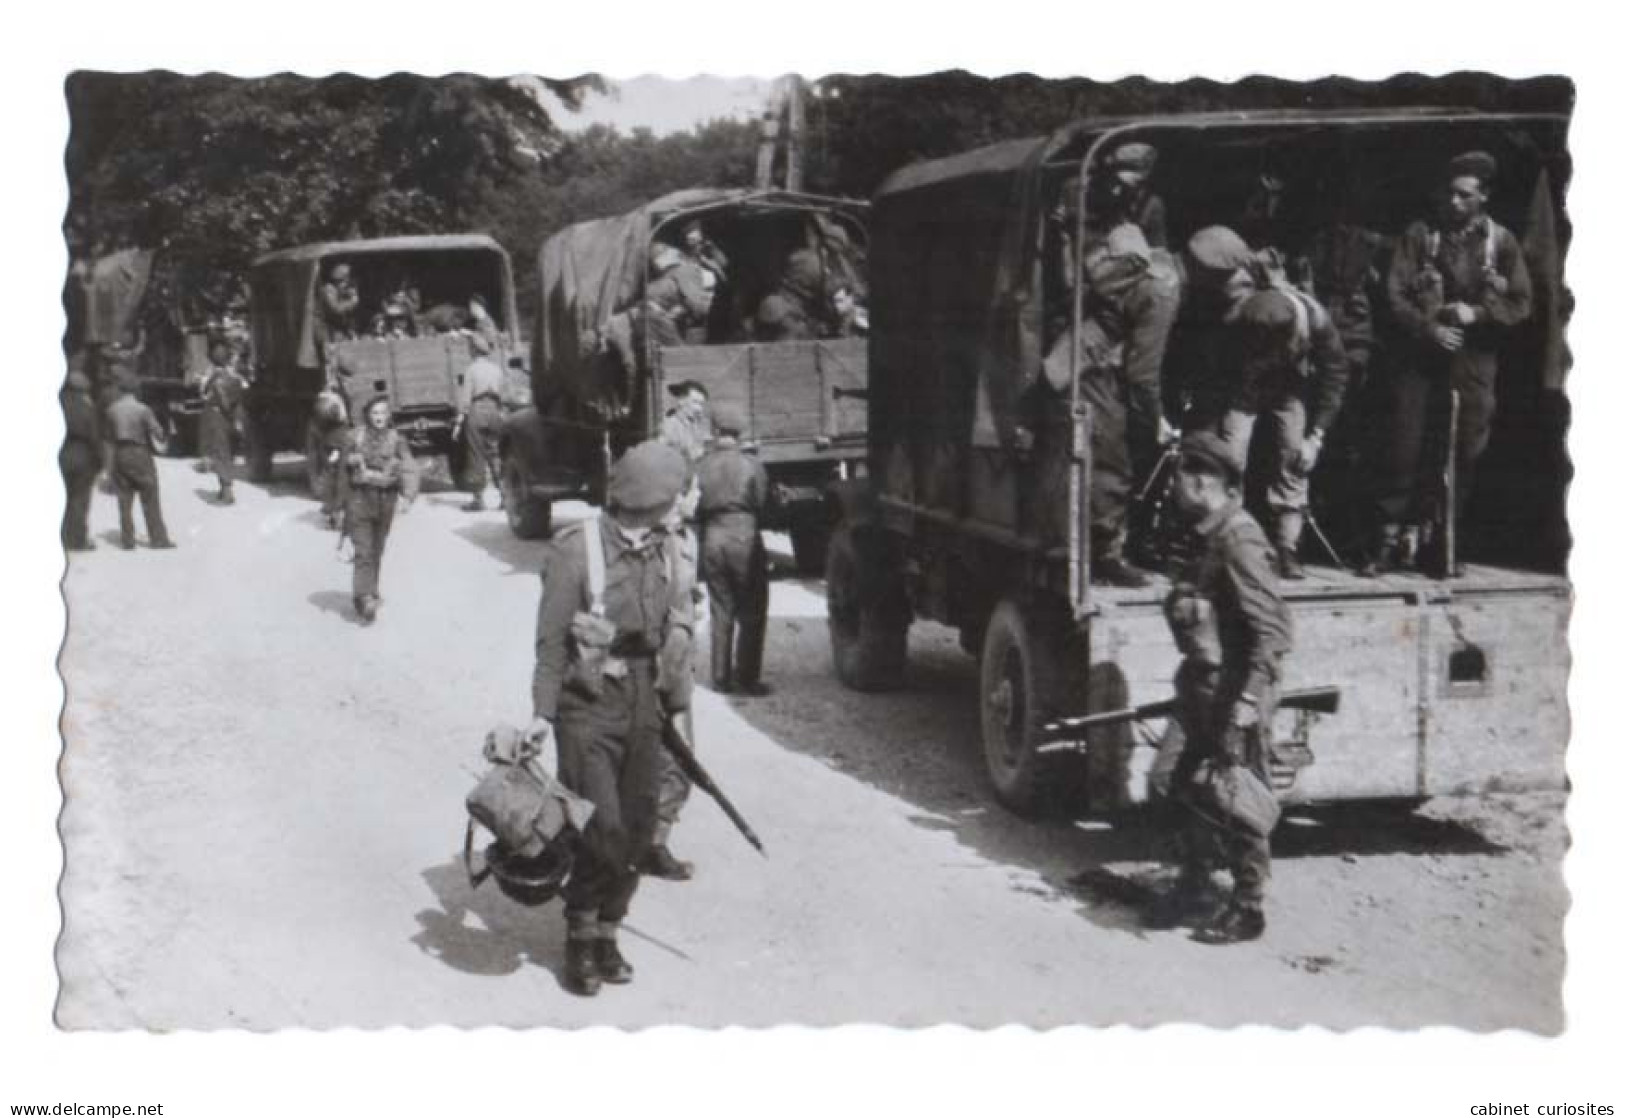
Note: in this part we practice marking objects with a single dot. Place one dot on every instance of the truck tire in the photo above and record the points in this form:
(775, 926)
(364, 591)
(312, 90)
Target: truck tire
(1021, 684)
(809, 543)
(868, 614)
(256, 449)
(528, 517)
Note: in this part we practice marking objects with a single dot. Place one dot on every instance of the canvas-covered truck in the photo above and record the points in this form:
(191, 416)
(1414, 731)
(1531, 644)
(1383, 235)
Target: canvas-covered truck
(423, 285)
(974, 512)
(601, 369)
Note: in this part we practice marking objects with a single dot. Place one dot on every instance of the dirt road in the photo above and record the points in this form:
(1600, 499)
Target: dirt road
(265, 817)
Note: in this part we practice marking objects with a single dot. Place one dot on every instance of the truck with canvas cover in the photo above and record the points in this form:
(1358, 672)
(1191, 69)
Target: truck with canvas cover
(733, 290)
(975, 509)
(398, 327)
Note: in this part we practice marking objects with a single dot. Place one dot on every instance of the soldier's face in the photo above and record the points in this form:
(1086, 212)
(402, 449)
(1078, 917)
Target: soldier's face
(1464, 199)
(694, 405)
(378, 416)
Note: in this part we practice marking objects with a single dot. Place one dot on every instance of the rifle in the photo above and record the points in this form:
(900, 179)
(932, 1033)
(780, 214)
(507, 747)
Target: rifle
(1064, 734)
(675, 738)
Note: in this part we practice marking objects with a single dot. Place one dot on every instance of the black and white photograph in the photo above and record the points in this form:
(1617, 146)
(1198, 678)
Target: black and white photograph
(828, 546)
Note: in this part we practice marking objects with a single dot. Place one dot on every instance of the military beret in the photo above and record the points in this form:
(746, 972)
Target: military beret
(1139, 158)
(1269, 312)
(728, 419)
(684, 387)
(1479, 164)
(1213, 451)
(1218, 250)
(645, 483)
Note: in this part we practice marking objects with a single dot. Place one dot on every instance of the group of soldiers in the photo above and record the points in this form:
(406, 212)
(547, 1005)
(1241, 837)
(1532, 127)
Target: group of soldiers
(1254, 335)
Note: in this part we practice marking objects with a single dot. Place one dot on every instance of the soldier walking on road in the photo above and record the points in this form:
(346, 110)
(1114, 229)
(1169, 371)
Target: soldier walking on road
(733, 559)
(480, 414)
(80, 461)
(132, 430)
(223, 391)
(382, 472)
(613, 662)
(1233, 629)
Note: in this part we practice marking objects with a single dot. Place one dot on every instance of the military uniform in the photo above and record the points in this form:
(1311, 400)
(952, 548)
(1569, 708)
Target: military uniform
(733, 562)
(79, 460)
(1287, 367)
(1481, 266)
(1233, 629)
(481, 405)
(687, 434)
(223, 391)
(382, 469)
(606, 678)
(131, 428)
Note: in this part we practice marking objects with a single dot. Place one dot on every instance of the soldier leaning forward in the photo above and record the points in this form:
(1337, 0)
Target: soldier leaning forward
(223, 391)
(611, 666)
(131, 430)
(1232, 629)
(382, 471)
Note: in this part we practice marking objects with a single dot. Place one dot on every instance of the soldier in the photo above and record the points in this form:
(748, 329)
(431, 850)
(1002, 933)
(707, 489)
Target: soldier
(612, 663)
(677, 302)
(733, 560)
(1133, 293)
(1454, 287)
(687, 427)
(330, 423)
(339, 300)
(80, 461)
(480, 417)
(222, 391)
(1233, 629)
(1287, 368)
(131, 429)
(382, 472)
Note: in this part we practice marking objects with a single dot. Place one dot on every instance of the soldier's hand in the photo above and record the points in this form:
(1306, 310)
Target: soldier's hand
(539, 731)
(1167, 433)
(1309, 454)
(1447, 338)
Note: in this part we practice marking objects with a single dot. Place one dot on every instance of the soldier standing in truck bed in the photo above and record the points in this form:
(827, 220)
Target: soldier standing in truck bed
(613, 661)
(1233, 629)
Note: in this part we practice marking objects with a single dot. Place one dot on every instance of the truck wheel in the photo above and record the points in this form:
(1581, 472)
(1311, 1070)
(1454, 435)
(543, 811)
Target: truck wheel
(868, 614)
(256, 449)
(1020, 685)
(810, 545)
(528, 518)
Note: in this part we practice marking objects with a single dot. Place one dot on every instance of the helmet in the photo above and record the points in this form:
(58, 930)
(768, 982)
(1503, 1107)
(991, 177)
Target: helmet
(533, 881)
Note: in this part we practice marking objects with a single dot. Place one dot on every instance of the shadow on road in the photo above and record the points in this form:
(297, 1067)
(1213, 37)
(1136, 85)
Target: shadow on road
(521, 557)
(923, 745)
(335, 602)
(501, 936)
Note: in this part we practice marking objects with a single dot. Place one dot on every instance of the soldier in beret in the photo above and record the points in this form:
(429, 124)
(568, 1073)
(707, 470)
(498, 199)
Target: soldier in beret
(223, 391)
(686, 428)
(733, 559)
(383, 473)
(1455, 286)
(612, 663)
(1233, 630)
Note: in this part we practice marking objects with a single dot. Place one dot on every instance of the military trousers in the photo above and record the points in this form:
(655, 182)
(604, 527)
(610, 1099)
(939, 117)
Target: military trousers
(80, 464)
(1284, 419)
(733, 563)
(1111, 476)
(135, 475)
(482, 434)
(1204, 840)
(1417, 435)
(216, 433)
(610, 753)
(369, 516)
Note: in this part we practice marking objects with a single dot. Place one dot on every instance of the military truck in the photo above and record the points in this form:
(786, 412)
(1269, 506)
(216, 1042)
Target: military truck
(297, 354)
(600, 376)
(974, 512)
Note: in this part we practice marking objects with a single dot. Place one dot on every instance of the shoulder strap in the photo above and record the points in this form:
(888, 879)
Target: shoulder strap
(592, 541)
(1491, 231)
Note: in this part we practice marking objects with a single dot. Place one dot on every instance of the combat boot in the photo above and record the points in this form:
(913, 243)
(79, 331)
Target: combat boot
(581, 975)
(662, 863)
(1236, 924)
(1386, 556)
(1288, 529)
(611, 964)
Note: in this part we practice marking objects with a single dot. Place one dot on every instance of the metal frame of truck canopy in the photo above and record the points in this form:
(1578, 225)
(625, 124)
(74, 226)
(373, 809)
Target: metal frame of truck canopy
(1008, 338)
(1451, 686)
